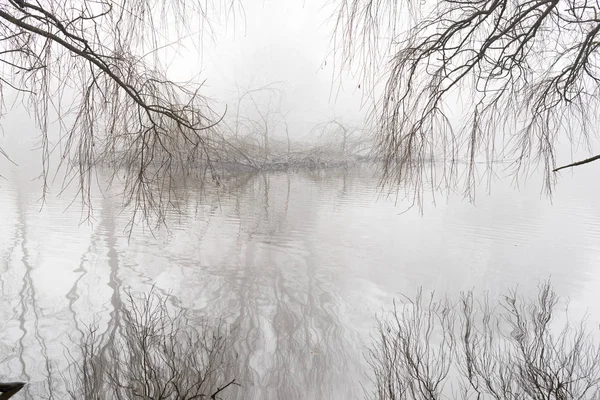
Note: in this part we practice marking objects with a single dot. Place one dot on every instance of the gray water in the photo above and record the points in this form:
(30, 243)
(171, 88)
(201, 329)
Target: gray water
(300, 262)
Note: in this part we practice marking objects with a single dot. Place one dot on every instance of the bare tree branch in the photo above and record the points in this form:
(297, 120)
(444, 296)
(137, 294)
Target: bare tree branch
(86, 65)
(470, 81)
(219, 390)
(575, 164)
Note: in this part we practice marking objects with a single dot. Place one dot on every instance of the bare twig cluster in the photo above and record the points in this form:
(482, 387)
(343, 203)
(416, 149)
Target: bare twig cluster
(431, 349)
(347, 138)
(258, 135)
(468, 79)
(156, 354)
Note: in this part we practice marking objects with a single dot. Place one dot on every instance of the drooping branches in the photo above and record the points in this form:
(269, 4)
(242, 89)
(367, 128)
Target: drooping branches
(90, 65)
(470, 78)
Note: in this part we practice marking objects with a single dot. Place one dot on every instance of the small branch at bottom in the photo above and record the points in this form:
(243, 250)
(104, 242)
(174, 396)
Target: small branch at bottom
(214, 395)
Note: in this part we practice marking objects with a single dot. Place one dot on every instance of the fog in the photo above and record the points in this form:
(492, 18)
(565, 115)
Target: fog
(298, 256)
(291, 43)
(247, 45)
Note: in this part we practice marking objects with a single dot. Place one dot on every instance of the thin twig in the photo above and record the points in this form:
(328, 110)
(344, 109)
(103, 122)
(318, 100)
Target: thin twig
(232, 382)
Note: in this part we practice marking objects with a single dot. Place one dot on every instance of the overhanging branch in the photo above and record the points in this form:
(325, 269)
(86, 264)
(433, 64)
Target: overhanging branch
(575, 164)
(94, 59)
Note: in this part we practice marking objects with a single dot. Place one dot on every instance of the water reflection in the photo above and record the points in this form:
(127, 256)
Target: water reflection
(32, 347)
(298, 262)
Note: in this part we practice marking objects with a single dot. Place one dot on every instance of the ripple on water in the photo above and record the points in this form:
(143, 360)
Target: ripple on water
(298, 262)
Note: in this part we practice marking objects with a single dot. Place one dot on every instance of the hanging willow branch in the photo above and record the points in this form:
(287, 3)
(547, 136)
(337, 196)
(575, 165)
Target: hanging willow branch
(476, 80)
(86, 65)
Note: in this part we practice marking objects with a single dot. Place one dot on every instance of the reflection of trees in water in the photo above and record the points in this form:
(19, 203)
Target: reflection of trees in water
(290, 340)
(244, 253)
(108, 227)
(30, 310)
(7, 284)
(73, 293)
(310, 347)
(78, 299)
(103, 237)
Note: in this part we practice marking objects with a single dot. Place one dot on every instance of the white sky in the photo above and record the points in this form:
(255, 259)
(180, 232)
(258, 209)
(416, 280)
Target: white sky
(280, 41)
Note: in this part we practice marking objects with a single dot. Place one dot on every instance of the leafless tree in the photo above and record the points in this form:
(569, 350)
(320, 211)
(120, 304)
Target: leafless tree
(158, 353)
(260, 117)
(254, 124)
(240, 118)
(469, 78)
(434, 349)
(353, 138)
(93, 67)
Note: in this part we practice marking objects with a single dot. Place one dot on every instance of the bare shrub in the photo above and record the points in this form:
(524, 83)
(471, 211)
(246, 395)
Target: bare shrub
(155, 353)
(430, 349)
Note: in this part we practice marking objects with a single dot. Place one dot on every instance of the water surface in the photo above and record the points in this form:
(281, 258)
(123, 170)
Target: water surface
(300, 262)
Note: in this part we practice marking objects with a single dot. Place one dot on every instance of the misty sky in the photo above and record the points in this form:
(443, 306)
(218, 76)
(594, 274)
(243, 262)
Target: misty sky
(277, 41)
(289, 42)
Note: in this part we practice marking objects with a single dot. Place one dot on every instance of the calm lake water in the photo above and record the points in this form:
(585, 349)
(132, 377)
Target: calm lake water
(300, 262)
